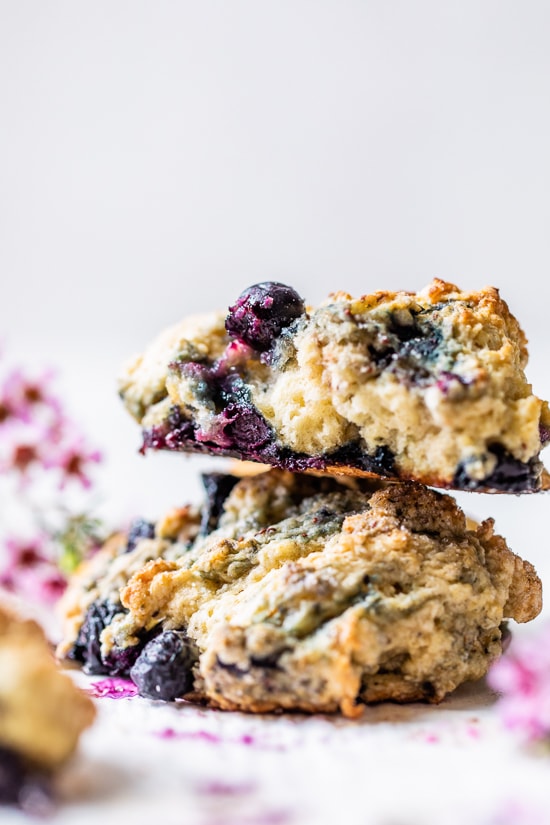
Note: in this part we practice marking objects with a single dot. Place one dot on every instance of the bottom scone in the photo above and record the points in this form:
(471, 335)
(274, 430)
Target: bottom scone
(300, 592)
(42, 712)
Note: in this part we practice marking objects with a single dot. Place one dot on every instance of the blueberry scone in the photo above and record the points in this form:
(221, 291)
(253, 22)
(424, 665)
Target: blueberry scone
(92, 598)
(428, 387)
(42, 712)
(305, 592)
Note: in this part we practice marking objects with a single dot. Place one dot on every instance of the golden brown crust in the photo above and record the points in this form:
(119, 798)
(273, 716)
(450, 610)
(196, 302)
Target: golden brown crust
(322, 594)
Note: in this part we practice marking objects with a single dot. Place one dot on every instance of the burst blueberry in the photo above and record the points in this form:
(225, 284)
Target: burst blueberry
(262, 312)
(247, 428)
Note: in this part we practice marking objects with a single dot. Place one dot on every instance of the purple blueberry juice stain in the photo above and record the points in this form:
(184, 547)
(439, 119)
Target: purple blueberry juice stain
(196, 735)
(220, 788)
(246, 739)
(207, 737)
(112, 688)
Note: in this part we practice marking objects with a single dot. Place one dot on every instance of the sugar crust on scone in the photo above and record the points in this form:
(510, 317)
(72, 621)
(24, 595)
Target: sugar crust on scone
(428, 386)
(318, 595)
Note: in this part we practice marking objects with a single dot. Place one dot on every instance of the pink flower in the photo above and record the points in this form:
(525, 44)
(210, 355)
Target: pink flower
(23, 448)
(8, 581)
(20, 396)
(26, 553)
(41, 451)
(73, 459)
(51, 587)
(522, 677)
(30, 571)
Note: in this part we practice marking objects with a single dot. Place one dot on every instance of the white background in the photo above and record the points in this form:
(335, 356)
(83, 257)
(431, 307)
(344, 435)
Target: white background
(158, 157)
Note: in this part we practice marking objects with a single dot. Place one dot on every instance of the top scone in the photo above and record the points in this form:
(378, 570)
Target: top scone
(427, 386)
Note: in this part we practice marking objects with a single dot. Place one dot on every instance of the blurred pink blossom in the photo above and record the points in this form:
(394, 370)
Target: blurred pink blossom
(43, 451)
(26, 553)
(20, 396)
(522, 678)
(23, 448)
(30, 570)
(73, 458)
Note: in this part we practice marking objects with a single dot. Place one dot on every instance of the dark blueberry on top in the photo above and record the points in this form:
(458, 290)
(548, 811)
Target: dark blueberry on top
(261, 313)
(139, 529)
(217, 487)
(163, 669)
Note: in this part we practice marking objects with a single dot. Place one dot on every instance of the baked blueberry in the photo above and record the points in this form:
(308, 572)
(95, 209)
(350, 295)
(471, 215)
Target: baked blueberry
(217, 487)
(87, 647)
(261, 312)
(139, 529)
(509, 474)
(163, 669)
(246, 428)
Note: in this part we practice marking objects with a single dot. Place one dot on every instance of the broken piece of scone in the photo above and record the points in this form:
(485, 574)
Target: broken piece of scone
(42, 712)
(426, 386)
(300, 592)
